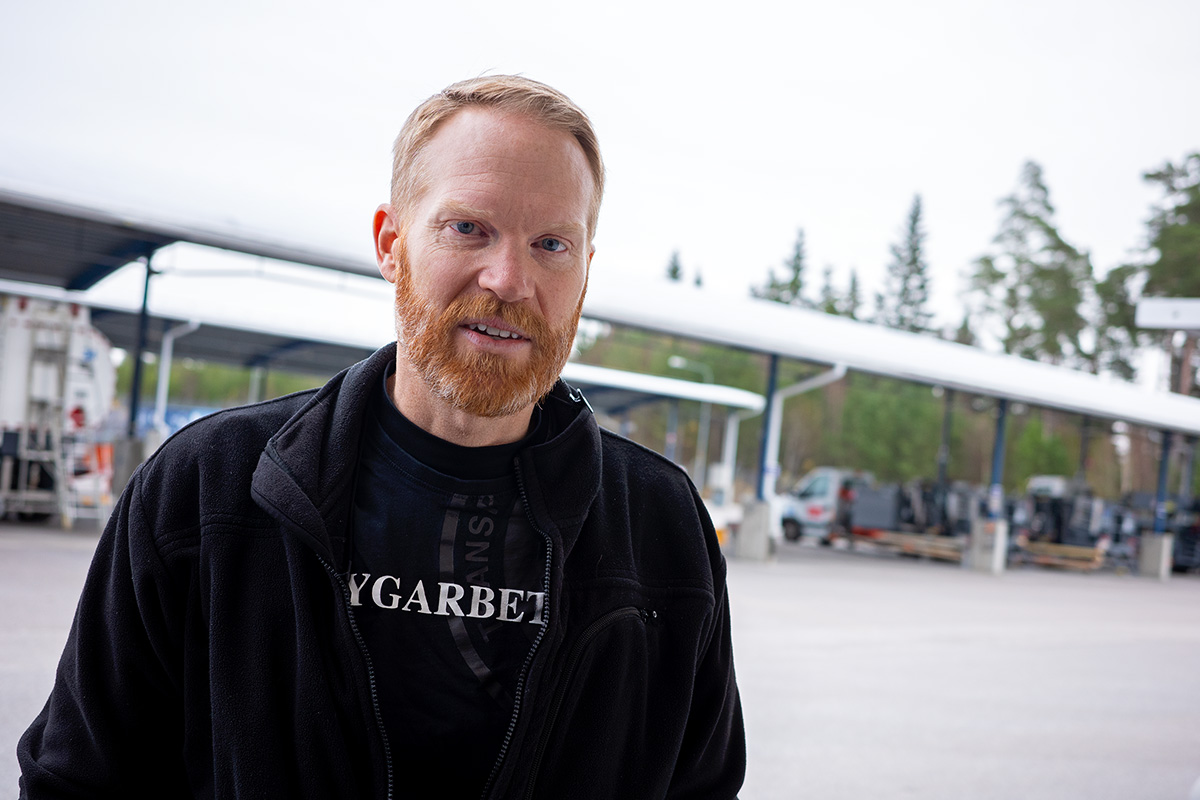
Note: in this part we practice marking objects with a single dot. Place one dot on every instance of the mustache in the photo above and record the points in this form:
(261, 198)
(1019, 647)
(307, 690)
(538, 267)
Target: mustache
(531, 324)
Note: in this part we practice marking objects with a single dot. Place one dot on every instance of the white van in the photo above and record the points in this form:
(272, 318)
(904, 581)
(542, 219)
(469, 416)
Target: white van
(811, 508)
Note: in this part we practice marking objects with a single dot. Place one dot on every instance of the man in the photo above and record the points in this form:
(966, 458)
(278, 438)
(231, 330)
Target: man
(433, 577)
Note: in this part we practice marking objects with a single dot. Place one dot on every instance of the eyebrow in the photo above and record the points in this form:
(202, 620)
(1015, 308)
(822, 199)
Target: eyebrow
(457, 209)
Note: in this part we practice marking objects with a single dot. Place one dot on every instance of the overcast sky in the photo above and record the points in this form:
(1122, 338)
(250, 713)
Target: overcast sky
(725, 127)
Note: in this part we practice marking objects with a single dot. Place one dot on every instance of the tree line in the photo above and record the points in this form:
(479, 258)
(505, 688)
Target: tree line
(1031, 293)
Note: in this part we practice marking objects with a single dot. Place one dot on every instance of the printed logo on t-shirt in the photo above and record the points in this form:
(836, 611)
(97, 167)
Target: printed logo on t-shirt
(448, 599)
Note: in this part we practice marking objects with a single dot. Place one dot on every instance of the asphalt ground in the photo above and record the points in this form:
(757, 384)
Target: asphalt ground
(862, 675)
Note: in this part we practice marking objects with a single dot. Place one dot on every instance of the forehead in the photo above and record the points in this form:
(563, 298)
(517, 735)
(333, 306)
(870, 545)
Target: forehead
(485, 150)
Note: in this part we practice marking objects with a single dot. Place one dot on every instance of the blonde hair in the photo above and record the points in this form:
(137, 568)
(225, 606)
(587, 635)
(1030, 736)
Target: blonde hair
(510, 93)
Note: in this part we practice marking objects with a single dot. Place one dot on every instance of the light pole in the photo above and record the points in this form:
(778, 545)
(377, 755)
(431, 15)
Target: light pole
(700, 463)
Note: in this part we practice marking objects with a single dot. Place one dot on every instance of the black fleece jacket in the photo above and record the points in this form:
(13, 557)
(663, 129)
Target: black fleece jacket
(214, 654)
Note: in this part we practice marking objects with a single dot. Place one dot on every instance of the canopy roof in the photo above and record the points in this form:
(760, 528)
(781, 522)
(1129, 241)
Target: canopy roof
(73, 246)
(46, 241)
(251, 342)
(770, 327)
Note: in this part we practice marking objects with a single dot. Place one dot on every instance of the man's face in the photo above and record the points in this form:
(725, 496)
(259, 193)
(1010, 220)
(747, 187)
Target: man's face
(491, 261)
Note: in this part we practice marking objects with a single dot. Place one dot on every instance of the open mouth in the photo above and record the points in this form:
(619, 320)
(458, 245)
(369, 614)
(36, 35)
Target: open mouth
(495, 333)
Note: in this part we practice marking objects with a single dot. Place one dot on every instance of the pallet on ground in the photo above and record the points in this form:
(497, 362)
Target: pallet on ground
(942, 548)
(1063, 556)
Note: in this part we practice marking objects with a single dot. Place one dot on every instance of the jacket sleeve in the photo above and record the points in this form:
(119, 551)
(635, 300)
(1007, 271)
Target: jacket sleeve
(712, 762)
(113, 722)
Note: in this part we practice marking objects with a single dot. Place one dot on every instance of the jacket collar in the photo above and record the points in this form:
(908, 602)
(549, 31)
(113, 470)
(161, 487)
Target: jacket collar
(561, 477)
(305, 475)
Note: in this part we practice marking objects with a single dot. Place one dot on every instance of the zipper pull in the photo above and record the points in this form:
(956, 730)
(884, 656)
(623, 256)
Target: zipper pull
(647, 615)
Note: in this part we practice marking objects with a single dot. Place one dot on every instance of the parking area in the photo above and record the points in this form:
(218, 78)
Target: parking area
(862, 675)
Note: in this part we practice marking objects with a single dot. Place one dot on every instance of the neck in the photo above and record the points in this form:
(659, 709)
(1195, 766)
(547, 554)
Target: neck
(434, 415)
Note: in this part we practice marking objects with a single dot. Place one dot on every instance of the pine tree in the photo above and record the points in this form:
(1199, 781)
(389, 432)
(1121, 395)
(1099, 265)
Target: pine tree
(830, 303)
(674, 269)
(1117, 336)
(964, 334)
(1035, 287)
(906, 302)
(788, 290)
(1175, 231)
(853, 297)
(1175, 238)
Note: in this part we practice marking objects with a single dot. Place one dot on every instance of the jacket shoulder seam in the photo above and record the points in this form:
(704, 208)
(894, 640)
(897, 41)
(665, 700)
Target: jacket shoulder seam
(618, 439)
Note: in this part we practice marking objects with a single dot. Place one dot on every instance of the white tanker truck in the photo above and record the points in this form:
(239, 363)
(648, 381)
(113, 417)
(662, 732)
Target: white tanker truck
(57, 382)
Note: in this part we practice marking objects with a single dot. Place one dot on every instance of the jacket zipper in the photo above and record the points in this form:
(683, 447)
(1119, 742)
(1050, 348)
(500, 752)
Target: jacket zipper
(387, 750)
(519, 694)
(568, 673)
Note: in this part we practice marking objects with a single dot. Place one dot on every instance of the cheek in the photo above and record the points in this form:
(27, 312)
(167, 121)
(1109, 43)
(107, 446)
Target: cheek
(439, 278)
(563, 297)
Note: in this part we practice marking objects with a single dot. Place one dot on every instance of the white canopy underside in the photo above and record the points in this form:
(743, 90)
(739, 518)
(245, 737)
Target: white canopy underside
(683, 311)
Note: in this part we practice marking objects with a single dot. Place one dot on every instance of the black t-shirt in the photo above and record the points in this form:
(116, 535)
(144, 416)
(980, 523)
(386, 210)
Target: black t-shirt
(447, 582)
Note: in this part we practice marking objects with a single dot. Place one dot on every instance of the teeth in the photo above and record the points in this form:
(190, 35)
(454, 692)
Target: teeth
(490, 331)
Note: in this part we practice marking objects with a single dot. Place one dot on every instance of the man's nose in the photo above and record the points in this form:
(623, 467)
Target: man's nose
(508, 272)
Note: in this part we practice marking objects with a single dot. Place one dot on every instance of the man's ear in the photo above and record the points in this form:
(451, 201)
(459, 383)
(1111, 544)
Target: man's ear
(387, 231)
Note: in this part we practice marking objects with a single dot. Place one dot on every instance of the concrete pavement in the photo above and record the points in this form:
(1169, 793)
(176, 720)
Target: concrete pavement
(862, 676)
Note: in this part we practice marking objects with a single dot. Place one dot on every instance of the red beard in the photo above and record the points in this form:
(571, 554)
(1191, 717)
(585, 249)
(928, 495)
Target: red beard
(482, 384)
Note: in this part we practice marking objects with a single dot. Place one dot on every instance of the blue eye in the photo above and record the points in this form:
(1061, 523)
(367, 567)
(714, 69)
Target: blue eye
(466, 228)
(553, 245)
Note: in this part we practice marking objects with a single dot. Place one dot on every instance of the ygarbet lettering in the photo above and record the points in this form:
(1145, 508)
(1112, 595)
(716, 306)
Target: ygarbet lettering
(453, 599)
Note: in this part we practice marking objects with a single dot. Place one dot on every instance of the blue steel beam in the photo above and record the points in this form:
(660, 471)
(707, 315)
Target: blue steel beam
(763, 466)
(101, 269)
(996, 491)
(135, 391)
(263, 359)
(1160, 500)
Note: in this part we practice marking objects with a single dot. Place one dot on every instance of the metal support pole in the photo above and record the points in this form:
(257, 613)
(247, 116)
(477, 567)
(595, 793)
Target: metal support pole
(700, 464)
(996, 492)
(764, 441)
(143, 326)
(775, 420)
(943, 459)
(258, 380)
(1085, 429)
(1160, 503)
(672, 429)
(729, 452)
(166, 356)
(1186, 473)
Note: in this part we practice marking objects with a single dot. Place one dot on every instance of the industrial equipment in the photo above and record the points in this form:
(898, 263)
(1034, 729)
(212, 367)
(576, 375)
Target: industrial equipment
(57, 382)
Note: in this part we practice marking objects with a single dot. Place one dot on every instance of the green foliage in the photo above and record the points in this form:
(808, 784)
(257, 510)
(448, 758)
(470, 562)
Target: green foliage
(830, 303)
(674, 269)
(1034, 451)
(1040, 290)
(905, 301)
(964, 334)
(1035, 282)
(890, 427)
(207, 384)
(1175, 231)
(646, 352)
(1175, 239)
(853, 299)
(1116, 335)
(789, 289)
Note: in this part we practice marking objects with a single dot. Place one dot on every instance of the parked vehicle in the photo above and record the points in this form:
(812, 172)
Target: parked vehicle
(56, 388)
(811, 509)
